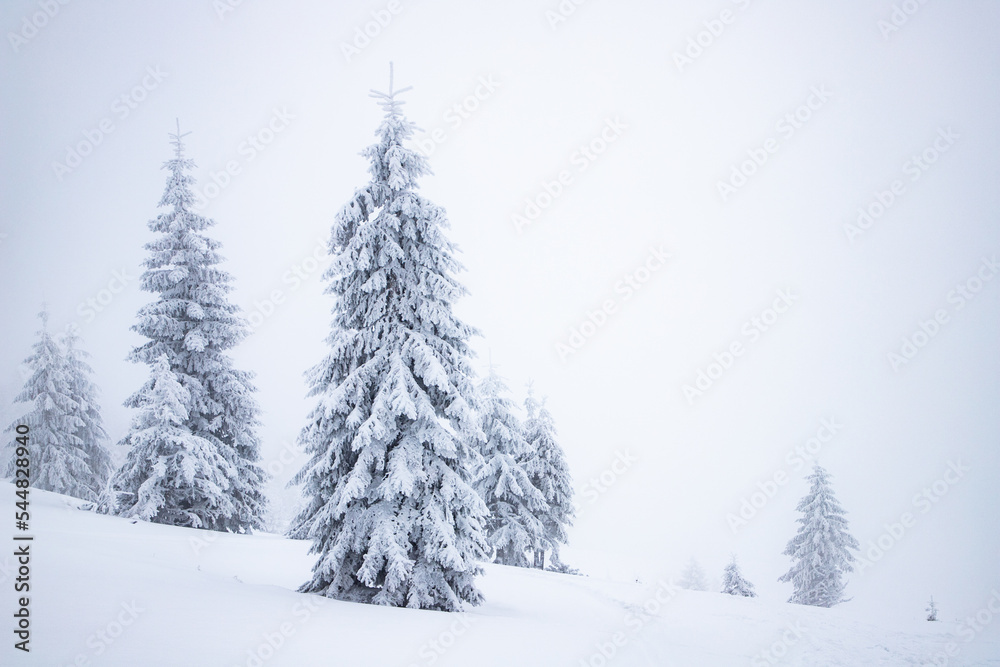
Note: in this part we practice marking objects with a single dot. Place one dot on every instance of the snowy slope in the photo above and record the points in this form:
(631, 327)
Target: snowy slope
(106, 591)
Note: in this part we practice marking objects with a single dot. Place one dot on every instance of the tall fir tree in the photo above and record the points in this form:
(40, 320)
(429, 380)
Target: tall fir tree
(517, 508)
(390, 507)
(545, 463)
(57, 459)
(91, 430)
(171, 475)
(193, 323)
(733, 582)
(821, 549)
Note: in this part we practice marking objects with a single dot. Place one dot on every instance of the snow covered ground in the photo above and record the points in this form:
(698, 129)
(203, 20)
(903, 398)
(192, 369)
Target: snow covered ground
(108, 592)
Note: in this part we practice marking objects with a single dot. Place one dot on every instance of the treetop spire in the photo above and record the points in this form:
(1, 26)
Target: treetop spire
(388, 101)
(177, 140)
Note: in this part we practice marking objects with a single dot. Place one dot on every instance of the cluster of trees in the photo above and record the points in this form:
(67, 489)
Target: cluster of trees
(192, 448)
(821, 552)
(418, 471)
(523, 478)
(733, 582)
(67, 433)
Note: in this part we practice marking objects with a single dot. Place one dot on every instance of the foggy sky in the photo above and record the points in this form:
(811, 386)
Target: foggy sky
(620, 132)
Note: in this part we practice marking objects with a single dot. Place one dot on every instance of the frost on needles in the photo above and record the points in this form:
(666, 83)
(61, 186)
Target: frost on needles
(174, 476)
(191, 325)
(390, 507)
(821, 550)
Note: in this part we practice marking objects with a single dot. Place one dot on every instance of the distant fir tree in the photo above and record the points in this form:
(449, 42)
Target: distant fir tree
(91, 430)
(545, 463)
(821, 550)
(932, 610)
(171, 475)
(517, 508)
(693, 577)
(57, 459)
(193, 323)
(733, 582)
(391, 510)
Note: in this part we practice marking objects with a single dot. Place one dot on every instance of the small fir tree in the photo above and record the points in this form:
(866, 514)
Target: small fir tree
(91, 430)
(733, 582)
(693, 577)
(515, 505)
(545, 463)
(932, 610)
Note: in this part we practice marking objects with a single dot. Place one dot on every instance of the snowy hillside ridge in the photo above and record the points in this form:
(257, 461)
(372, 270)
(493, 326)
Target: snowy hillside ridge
(113, 592)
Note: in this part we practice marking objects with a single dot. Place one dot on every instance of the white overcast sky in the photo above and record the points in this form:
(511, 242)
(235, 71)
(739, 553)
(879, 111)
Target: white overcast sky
(879, 97)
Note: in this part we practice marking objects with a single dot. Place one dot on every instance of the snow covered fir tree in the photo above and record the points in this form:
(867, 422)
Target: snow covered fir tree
(733, 582)
(193, 324)
(932, 610)
(66, 432)
(91, 428)
(171, 475)
(390, 507)
(545, 463)
(693, 577)
(821, 550)
(517, 508)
